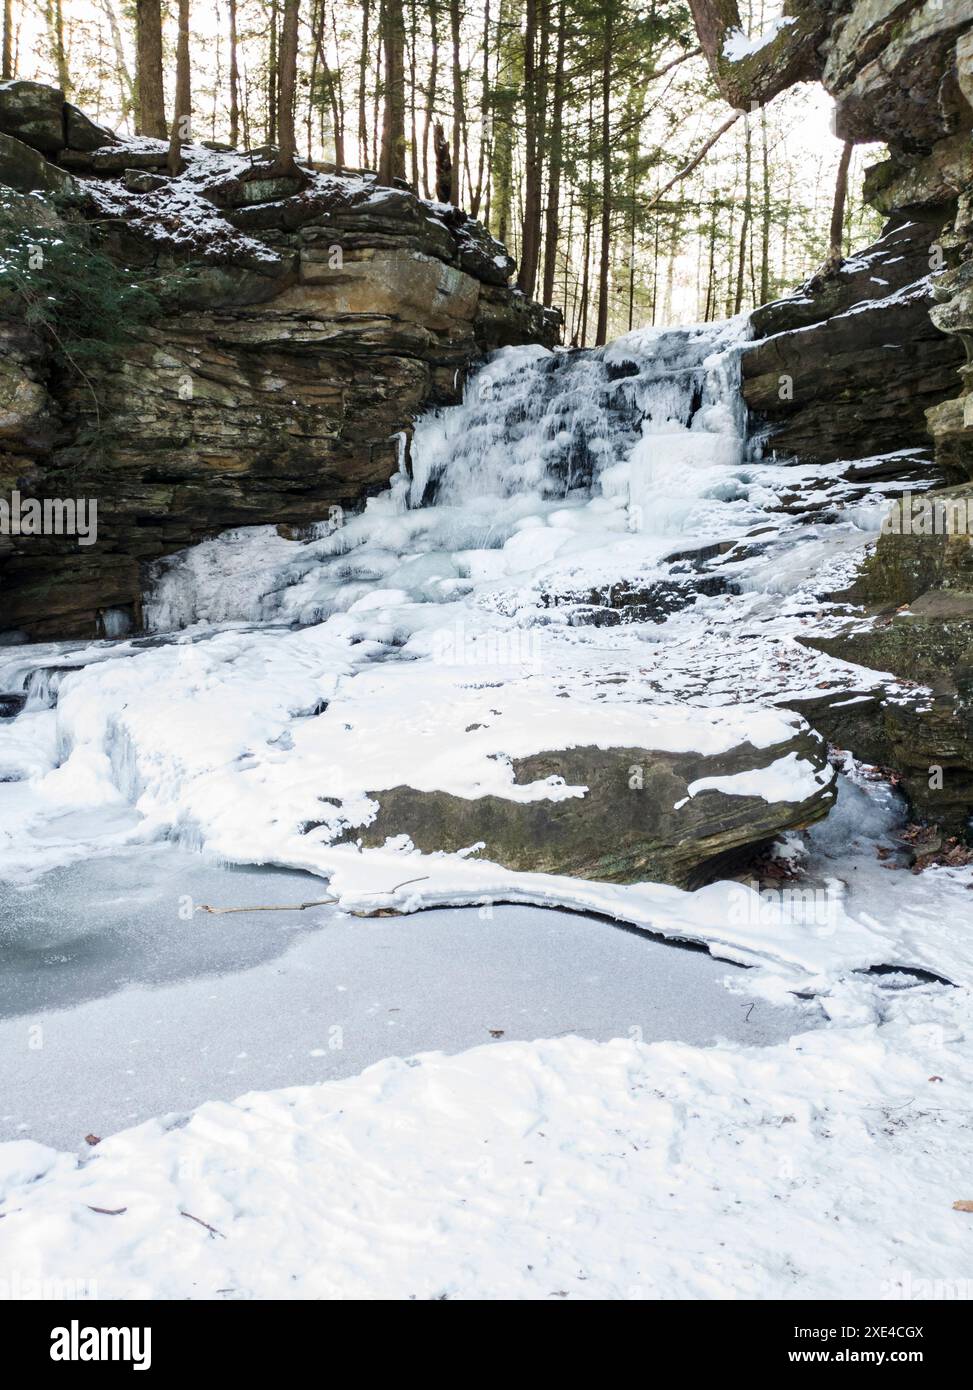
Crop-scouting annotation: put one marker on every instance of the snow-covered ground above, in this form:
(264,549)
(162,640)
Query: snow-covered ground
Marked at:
(824,1167)
(288,679)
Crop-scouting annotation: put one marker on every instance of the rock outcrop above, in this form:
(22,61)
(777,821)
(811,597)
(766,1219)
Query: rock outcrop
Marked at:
(873,355)
(645,814)
(850,364)
(917,592)
(302,325)
(855,343)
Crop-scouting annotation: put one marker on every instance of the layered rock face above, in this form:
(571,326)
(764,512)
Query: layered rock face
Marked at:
(304,324)
(918,587)
(873,356)
(850,364)
(901,73)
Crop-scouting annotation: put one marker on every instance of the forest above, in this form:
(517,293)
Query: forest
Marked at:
(587,135)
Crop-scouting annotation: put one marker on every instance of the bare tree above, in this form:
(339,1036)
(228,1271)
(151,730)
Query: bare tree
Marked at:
(181,131)
(7,68)
(284,164)
(392,159)
(151,92)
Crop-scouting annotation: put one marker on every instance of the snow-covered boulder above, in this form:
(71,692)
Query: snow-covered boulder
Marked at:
(620,793)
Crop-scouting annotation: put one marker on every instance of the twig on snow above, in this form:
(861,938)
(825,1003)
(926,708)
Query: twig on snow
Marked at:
(200,1222)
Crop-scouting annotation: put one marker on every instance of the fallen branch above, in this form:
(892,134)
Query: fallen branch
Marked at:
(268,907)
(302,907)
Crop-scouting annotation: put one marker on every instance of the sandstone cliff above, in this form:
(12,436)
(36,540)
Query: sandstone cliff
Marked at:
(302,325)
(878,350)
(901,72)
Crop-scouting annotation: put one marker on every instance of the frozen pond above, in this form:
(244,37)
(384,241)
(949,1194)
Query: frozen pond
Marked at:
(113,1008)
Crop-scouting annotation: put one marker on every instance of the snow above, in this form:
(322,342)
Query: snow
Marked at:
(736,45)
(429,640)
(825,1167)
(786,779)
(429,653)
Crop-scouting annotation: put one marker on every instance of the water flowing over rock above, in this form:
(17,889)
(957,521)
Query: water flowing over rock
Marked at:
(313,342)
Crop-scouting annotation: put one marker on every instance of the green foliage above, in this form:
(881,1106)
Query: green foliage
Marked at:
(55,278)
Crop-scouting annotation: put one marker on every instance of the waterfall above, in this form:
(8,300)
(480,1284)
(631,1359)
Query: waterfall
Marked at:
(646,436)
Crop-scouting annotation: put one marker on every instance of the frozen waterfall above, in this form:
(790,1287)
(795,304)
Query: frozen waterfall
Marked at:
(547,453)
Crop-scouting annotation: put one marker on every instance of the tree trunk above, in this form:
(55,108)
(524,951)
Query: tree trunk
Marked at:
(234,79)
(458,111)
(581,337)
(444,164)
(362,74)
(151,92)
(765,217)
(377,94)
(504,104)
(606,179)
(335,90)
(710,310)
(55,24)
(527,275)
(7,66)
(477,194)
(331,87)
(745,228)
(181,132)
(836,238)
(552,229)
(272,73)
(287,90)
(392,161)
(430,97)
(413,67)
